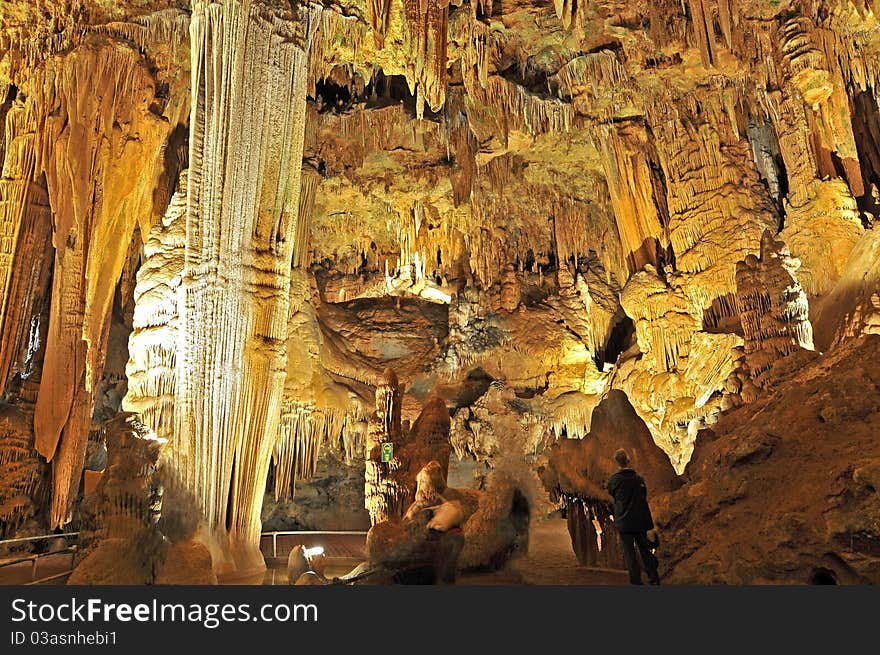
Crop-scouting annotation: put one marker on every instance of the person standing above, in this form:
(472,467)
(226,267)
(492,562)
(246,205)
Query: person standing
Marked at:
(633,520)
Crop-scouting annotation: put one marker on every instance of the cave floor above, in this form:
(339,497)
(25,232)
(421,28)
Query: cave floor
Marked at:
(549,561)
(48,566)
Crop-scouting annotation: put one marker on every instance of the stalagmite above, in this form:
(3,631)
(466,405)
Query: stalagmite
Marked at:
(153,344)
(22,488)
(510,293)
(773,308)
(577,472)
(90,101)
(127,501)
(385,494)
(250,67)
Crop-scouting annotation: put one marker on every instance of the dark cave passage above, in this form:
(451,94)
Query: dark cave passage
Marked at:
(823,576)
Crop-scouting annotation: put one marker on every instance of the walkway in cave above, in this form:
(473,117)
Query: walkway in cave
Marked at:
(550,561)
(23,573)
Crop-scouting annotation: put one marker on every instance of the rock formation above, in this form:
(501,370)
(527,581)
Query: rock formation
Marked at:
(445,530)
(523,210)
(22,487)
(578,470)
(773,308)
(391,478)
(790,497)
(125,536)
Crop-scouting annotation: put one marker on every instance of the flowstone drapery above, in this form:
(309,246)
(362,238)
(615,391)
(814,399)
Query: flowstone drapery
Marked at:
(250,69)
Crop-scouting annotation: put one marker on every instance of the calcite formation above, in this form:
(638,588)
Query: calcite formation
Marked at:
(773,308)
(127,535)
(121,513)
(578,470)
(391,475)
(446,529)
(152,366)
(22,489)
(743,466)
(522,210)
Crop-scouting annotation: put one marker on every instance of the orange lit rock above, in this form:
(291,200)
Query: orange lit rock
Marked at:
(523,210)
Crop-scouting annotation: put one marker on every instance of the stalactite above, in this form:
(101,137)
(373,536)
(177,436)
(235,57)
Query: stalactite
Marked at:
(427,27)
(250,67)
(89,102)
(589,230)
(571,421)
(638,199)
(565,11)
(480,47)
(592,78)
(26,226)
(311,179)
(682,379)
(168,27)
(506,106)
(315,413)
(297,448)
(364,132)
(773,308)
(331,31)
(822,88)
(704,29)
(380,14)
(593,535)
(713,359)
(811,116)
(718,206)
(15,188)
(464,146)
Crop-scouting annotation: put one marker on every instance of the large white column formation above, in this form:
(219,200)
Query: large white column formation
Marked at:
(249,67)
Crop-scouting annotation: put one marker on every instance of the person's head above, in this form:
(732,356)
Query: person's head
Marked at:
(621,458)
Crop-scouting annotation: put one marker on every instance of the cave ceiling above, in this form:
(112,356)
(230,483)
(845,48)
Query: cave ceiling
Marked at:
(664,198)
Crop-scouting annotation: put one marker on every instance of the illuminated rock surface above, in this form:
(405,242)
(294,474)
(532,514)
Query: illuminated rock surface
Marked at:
(238,218)
(785,488)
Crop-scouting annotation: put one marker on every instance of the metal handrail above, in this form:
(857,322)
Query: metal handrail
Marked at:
(50,578)
(21,540)
(35,558)
(274,534)
(73,549)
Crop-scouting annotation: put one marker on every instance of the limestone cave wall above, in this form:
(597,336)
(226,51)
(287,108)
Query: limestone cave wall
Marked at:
(234,217)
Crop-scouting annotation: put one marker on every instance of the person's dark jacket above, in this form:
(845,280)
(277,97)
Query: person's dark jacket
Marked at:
(631,511)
